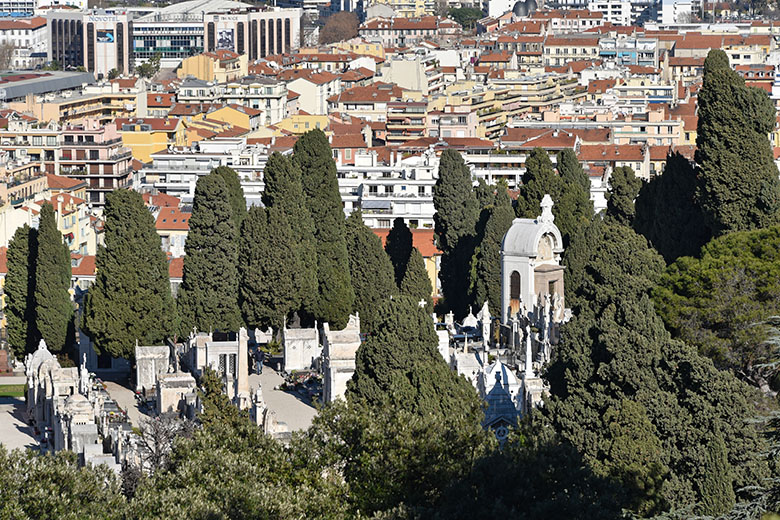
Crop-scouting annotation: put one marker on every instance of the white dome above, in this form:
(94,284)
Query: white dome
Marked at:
(525,235)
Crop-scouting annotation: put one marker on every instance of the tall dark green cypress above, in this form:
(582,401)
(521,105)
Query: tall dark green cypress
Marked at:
(370,270)
(399,246)
(399,366)
(573,208)
(131,298)
(642,408)
(487,285)
(570,169)
(416,284)
(624,188)
(457,212)
(284,190)
(739,189)
(235,191)
(335,296)
(53,308)
(667,213)
(19,289)
(208,297)
(269,268)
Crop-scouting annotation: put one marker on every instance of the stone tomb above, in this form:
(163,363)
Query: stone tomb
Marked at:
(151,362)
(338,358)
(301,348)
(172,390)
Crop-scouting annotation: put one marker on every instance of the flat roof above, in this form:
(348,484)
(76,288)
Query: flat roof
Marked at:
(14,86)
(191,8)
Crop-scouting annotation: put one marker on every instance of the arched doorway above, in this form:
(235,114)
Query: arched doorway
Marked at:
(515,288)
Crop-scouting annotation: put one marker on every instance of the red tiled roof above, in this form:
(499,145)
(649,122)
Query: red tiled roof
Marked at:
(161,200)
(422,239)
(375,93)
(58,182)
(348,141)
(612,152)
(23,24)
(176,268)
(173,219)
(84,265)
(160,100)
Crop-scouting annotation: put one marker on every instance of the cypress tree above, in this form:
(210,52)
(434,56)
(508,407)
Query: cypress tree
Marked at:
(399,246)
(739,187)
(400,367)
(538,163)
(487,285)
(208,297)
(370,270)
(335,297)
(19,289)
(573,208)
(284,190)
(624,188)
(269,268)
(639,406)
(457,212)
(667,213)
(235,192)
(416,284)
(131,298)
(570,169)
(53,308)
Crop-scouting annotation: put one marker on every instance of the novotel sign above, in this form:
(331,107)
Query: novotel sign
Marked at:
(93,18)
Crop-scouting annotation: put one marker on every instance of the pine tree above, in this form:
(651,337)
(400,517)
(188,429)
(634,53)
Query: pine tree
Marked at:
(624,188)
(370,270)
(667,213)
(639,406)
(208,297)
(235,191)
(269,268)
(335,297)
(739,187)
(399,246)
(19,289)
(53,308)
(487,285)
(284,190)
(131,298)
(570,169)
(416,284)
(457,212)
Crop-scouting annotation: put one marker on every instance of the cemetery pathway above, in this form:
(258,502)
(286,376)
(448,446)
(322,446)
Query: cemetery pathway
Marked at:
(14,431)
(125,398)
(289,408)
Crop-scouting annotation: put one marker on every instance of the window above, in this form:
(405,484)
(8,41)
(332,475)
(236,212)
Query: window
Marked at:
(421,191)
(37,140)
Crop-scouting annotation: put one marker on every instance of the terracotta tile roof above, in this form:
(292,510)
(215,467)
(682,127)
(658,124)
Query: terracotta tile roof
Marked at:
(498,57)
(422,239)
(23,24)
(599,86)
(222,55)
(176,268)
(125,82)
(58,182)
(640,69)
(192,109)
(559,41)
(458,143)
(292,95)
(82,265)
(3,260)
(348,141)
(684,61)
(161,200)
(251,112)
(612,152)
(172,219)
(284,143)
(526,27)
(591,135)
(375,93)
(160,100)
(547,138)
(313,75)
